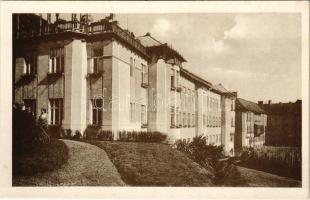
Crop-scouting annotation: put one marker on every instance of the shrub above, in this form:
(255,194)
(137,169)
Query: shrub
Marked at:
(62,132)
(212,158)
(77,135)
(134,136)
(105,135)
(68,134)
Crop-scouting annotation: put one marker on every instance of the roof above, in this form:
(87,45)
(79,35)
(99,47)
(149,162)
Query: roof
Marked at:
(148,41)
(249,106)
(156,46)
(281,108)
(195,78)
(221,88)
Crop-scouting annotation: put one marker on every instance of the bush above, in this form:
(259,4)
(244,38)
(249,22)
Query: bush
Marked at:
(105,135)
(200,151)
(212,158)
(142,136)
(77,135)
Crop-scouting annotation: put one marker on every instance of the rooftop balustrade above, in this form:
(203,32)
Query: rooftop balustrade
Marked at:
(99,27)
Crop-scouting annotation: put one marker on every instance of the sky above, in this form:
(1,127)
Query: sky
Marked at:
(256,54)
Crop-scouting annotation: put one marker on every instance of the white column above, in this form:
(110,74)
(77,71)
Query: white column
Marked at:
(75,86)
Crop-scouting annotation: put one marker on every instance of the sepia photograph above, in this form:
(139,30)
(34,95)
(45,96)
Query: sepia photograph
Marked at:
(157,99)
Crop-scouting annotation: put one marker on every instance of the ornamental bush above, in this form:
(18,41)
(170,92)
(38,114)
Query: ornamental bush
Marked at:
(141,136)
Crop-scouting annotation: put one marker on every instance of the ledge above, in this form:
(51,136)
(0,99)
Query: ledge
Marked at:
(179,89)
(144,125)
(144,85)
(55,74)
(94,74)
(29,75)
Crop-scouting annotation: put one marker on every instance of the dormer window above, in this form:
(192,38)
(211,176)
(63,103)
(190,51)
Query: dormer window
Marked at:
(57,60)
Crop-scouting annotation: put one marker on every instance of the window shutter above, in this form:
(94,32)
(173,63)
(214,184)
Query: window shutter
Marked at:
(90,65)
(50,65)
(90,112)
(24,66)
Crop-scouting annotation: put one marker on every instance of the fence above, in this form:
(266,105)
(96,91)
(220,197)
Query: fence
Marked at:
(288,155)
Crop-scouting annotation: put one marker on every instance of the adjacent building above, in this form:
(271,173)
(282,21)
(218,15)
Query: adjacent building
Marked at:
(283,124)
(96,75)
(251,121)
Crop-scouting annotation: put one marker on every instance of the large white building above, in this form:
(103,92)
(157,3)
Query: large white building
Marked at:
(92,76)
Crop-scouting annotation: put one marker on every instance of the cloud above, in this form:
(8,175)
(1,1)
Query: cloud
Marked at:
(162,28)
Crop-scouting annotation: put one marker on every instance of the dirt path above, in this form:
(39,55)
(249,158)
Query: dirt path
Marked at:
(257,178)
(87,165)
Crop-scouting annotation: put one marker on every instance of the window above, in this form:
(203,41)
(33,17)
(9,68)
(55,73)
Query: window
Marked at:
(132,112)
(193,120)
(177,116)
(232,105)
(184,119)
(97,108)
(232,121)
(250,116)
(231,138)
(204,120)
(56,111)
(131,67)
(177,78)
(143,115)
(95,62)
(57,60)
(207,140)
(30,66)
(189,119)
(180,117)
(144,74)
(31,105)
(172,116)
(172,78)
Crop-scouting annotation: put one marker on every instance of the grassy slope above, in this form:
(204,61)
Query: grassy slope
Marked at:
(39,158)
(87,165)
(151,164)
(257,178)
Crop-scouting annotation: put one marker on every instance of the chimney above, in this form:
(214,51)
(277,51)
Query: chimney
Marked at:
(260,103)
(235,94)
(269,102)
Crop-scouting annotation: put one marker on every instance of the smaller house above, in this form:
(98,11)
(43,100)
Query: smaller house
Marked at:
(251,121)
(284,123)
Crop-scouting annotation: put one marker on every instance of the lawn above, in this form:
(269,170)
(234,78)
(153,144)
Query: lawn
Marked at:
(66,163)
(255,178)
(32,159)
(153,164)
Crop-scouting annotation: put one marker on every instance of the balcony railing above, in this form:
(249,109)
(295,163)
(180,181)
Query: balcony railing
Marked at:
(102,26)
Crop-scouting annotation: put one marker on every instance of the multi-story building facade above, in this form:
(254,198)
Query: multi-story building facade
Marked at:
(92,76)
(251,121)
(283,124)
